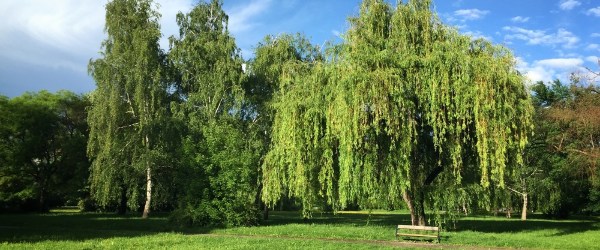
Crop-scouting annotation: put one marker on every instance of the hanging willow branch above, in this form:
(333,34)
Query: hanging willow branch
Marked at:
(405,106)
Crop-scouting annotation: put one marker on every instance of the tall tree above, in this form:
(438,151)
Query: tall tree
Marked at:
(128,105)
(263,82)
(220,156)
(406,109)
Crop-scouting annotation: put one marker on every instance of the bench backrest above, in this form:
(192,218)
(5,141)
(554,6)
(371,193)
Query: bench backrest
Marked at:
(418,228)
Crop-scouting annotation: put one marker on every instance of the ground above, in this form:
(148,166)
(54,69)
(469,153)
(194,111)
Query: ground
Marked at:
(67,229)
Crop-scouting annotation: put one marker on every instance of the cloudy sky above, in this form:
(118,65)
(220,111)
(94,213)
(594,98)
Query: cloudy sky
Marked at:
(47,44)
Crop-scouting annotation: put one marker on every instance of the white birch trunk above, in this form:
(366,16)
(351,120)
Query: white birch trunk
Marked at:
(148,193)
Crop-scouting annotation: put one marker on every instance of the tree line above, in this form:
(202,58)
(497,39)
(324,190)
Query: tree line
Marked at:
(404,113)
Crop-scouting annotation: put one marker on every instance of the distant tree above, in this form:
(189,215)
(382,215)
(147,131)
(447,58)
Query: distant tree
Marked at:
(42,141)
(73,175)
(532,182)
(406,109)
(129,108)
(565,147)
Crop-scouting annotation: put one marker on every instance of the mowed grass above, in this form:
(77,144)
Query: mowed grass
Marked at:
(66,229)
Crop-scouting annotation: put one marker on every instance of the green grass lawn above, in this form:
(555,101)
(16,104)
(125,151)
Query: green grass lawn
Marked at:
(286,230)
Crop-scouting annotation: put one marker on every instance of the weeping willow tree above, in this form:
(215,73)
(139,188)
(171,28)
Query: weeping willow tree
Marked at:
(298,134)
(272,55)
(405,110)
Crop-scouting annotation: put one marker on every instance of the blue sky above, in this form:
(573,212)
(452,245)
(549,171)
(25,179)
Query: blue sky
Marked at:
(47,44)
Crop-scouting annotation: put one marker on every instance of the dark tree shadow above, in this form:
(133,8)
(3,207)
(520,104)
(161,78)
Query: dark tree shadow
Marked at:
(354,219)
(77,226)
(491,224)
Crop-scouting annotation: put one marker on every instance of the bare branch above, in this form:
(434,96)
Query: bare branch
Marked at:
(584,153)
(509,188)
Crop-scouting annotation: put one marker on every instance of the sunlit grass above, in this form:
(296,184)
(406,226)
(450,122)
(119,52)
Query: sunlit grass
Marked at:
(181,241)
(285,230)
(65,210)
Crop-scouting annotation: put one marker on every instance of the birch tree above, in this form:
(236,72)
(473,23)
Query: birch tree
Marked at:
(218,175)
(128,106)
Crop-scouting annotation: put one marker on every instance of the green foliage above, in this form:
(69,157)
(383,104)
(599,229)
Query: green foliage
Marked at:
(405,107)
(222,190)
(207,63)
(220,152)
(564,148)
(285,64)
(42,155)
(129,114)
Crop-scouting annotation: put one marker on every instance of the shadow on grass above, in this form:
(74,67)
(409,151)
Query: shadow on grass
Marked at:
(484,224)
(87,226)
(492,224)
(342,218)
(78,226)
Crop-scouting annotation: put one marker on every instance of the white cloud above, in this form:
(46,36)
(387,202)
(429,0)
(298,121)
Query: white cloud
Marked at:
(477,35)
(594,11)
(337,33)
(549,69)
(470,14)
(533,73)
(168,22)
(562,37)
(64,33)
(592,59)
(240,17)
(457,3)
(560,63)
(568,4)
(519,19)
(595,35)
(52,34)
(461,26)
(66,25)
(593,46)
(568,54)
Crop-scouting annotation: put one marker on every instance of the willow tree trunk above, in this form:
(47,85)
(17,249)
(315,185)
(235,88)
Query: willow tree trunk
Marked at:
(265,212)
(421,211)
(411,207)
(417,214)
(122,209)
(148,192)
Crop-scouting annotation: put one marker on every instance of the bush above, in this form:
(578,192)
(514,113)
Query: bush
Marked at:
(87,205)
(216,213)
(220,179)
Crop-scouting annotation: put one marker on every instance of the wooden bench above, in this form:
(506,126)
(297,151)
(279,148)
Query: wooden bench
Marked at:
(413,231)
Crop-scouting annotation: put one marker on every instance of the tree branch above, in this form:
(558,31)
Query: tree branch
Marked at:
(433,174)
(584,153)
(127,126)
(509,188)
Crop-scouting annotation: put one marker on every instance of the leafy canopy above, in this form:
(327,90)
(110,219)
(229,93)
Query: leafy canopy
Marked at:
(403,102)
